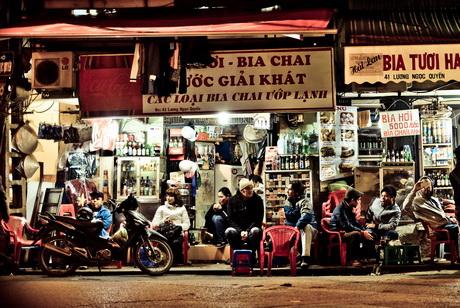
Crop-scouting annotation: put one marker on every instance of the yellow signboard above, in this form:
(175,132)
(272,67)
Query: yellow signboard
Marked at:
(286,80)
(406,63)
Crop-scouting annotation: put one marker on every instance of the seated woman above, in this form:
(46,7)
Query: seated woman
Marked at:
(172,213)
(216,218)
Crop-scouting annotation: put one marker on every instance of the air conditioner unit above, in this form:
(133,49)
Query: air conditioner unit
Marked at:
(53,70)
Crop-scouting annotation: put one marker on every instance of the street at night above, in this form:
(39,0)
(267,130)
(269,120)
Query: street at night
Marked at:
(417,289)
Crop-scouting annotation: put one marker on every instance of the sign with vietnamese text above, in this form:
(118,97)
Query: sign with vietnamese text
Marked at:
(400,123)
(255,80)
(406,63)
(338,142)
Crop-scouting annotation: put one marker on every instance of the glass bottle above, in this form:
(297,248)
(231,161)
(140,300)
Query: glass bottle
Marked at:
(302,162)
(305,143)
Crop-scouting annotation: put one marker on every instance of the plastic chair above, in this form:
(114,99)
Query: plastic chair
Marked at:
(19,225)
(67,209)
(284,241)
(441,236)
(334,199)
(185,247)
(334,239)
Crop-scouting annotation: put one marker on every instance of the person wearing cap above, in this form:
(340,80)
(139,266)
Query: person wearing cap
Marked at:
(344,219)
(245,215)
(454,178)
(383,215)
(101,212)
(422,206)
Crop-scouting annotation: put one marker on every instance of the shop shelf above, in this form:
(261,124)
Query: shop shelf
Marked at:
(401,163)
(275,206)
(275,189)
(437,144)
(437,167)
(443,188)
(287,171)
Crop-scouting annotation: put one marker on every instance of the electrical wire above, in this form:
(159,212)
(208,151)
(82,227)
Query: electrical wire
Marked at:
(408,104)
(52,104)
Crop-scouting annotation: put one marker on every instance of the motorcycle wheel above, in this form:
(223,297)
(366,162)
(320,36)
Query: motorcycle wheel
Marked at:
(154,262)
(53,263)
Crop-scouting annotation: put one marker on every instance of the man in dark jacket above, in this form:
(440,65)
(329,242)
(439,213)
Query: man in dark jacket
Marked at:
(216,218)
(454,178)
(245,214)
(291,208)
(344,219)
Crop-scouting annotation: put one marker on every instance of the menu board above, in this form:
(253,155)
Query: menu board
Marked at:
(338,142)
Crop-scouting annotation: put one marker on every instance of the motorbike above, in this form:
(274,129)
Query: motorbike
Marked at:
(68,243)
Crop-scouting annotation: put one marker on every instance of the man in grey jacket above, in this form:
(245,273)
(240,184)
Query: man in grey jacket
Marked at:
(421,205)
(383,215)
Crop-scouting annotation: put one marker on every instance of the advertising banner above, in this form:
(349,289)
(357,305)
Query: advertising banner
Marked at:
(400,123)
(406,63)
(286,80)
(338,142)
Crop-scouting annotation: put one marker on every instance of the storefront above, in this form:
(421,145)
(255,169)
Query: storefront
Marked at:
(416,130)
(132,139)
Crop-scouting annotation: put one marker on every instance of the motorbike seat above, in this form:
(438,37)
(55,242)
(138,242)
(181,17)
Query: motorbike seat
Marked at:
(89,226)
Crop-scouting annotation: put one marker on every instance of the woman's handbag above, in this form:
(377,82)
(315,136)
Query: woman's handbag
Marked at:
(170,231)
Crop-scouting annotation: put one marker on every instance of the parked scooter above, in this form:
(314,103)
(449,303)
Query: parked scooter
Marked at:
(72,243)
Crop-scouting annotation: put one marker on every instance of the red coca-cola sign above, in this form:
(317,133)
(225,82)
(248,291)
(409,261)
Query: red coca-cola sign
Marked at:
(107,89)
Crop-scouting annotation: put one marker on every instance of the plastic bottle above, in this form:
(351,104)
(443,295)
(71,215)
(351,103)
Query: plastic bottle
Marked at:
(281,145)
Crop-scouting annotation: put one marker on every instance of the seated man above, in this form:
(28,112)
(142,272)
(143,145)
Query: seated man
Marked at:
(421,205)
(344,219)
(299,213)
(383,215)
(245,214)
(216,218)
(101,212)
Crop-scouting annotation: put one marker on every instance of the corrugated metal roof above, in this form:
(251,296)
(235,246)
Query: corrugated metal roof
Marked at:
(402,27)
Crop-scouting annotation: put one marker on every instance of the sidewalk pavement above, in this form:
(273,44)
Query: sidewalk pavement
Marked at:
(225,269)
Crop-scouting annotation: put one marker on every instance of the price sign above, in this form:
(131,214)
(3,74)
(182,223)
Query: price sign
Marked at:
(400,123)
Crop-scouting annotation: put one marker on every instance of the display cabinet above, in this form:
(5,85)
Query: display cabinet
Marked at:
(276,184)
(436,158)
(139,176)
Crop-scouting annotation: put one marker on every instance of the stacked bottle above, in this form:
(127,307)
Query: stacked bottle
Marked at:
(370,145)
(294,142)
(290,162)
(439,178)
(400,155)
(436,131)
(127,145)
(128,186)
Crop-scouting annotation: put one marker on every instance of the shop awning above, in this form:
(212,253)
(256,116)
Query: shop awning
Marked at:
(312,22)
(398,27)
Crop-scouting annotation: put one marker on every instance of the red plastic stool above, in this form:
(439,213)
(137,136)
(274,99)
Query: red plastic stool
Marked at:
(242,262)
(66,210)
